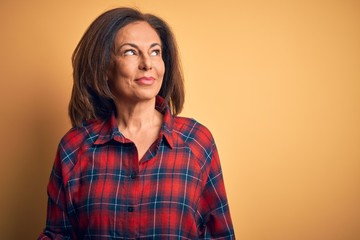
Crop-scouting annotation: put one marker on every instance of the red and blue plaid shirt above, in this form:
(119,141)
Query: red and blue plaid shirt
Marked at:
(99,189)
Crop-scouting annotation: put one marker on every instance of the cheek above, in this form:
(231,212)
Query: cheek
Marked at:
(123,69)
(161,69)
(118,77)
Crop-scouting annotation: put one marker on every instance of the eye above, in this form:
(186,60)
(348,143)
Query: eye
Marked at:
(129,52)
(155,52)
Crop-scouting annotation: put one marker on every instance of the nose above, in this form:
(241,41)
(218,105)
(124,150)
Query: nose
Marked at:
(145,62)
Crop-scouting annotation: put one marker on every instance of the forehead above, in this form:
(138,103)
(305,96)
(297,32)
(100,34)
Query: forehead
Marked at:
(138,33)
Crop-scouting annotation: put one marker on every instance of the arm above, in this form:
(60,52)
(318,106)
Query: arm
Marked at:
(57,223)
(213,205)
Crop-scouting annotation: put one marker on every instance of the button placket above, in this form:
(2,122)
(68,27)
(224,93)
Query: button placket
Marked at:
(132,177)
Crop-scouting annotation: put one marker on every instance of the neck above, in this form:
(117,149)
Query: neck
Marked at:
(138,116)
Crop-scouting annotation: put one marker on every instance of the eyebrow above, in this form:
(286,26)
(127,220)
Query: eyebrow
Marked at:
(136,46)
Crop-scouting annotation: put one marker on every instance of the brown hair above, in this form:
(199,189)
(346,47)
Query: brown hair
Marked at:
(91,97)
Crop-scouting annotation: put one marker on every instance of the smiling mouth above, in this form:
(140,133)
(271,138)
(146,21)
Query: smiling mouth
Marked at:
(145,80)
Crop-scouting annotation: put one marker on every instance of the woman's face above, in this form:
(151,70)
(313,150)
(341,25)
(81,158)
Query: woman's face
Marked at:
(138,68)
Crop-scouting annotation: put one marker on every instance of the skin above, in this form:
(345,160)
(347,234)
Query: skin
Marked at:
(135,79)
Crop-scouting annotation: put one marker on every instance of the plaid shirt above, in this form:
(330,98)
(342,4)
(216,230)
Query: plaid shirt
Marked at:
(98,188)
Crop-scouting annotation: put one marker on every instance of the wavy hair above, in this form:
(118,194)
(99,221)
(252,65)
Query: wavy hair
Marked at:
(91,97)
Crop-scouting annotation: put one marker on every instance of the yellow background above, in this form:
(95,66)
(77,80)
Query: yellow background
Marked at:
(277,82)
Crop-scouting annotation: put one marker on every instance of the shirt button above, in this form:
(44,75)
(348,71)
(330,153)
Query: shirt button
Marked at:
(130,209)
(133,175)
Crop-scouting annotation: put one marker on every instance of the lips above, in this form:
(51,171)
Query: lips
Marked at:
(145,80)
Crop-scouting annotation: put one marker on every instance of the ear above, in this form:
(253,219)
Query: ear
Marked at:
(110,68)
(109,73)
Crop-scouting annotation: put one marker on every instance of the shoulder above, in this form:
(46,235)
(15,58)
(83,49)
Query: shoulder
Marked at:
(77,136)
(194,135)
(190,129)
(73,141)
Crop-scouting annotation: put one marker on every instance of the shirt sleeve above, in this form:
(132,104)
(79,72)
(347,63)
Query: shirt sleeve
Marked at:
(213,205)
(57,223)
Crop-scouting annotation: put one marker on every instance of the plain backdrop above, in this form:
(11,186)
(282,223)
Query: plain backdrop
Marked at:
(277,83)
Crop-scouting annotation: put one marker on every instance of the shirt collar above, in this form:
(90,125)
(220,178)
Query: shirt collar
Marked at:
(109,128)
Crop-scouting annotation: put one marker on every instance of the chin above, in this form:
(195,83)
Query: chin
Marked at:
(145,97)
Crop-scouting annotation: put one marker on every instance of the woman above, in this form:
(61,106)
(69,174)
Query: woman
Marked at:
(130,168)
